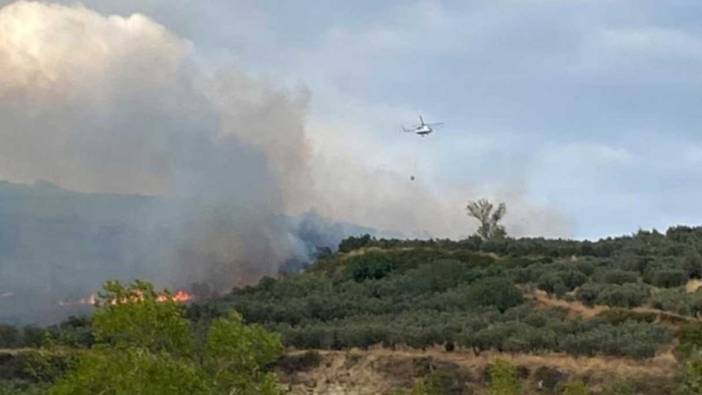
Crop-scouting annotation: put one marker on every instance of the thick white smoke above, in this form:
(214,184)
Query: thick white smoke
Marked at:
(114,104)
(98,103)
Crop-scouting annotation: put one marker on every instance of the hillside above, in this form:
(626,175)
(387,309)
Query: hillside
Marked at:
(481,295)
(382,371)
(625,298)
(619,316)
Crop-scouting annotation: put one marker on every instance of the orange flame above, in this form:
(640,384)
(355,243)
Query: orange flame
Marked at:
(82,301)
(179,296)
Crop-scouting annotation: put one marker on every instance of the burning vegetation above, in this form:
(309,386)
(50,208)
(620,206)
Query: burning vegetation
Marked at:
(179,296)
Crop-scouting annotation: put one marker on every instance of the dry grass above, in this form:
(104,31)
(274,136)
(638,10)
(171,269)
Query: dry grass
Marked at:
(577,309)
(379,371)
(693,285)
(13,351)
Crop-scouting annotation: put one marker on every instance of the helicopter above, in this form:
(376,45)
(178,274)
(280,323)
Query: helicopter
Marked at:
(422,129)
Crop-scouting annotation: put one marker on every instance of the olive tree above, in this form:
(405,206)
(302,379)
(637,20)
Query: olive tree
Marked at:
(489,218)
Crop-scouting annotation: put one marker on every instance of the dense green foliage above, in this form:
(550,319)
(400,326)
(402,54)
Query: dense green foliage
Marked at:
(469,294)
(504,379)
(141,343)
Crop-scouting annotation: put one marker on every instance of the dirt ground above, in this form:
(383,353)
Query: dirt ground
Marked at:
(381,371)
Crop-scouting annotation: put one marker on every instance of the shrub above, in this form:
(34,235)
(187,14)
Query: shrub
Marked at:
(352,243)
(627,295)
(692,377)
(619,277)
(618,316)
(144,345)
(576,387)
(9,336)
(549,378)
(573,279)
(503,379)
(690,340)
(667,278)
(300,362)
(631,339)
(678,301)
(446,381)
(369,266)
(495,291)
(549,282)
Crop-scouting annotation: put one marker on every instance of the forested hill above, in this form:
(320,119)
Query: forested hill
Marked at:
(622,296)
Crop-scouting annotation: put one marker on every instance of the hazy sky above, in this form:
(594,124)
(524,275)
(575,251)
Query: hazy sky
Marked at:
(586,107)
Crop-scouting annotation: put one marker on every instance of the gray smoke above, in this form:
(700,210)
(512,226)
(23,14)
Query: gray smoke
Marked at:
(115,105)
(160,170)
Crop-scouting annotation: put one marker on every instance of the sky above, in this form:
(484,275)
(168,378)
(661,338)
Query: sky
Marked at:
(582,114)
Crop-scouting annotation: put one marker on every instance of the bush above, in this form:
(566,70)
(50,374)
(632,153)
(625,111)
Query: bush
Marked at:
(446,381)
(573,279)
(17,387)
(32,336)
(299,362)
(145,345)
(503,379)
(352,243)
(495,291)
(692,376)
(644,385)
(619,277)
(689,340)
(549,378)
(576,387)
(549,282)
(667,278)
(9,336)
(618,316)
(627,295)
(678,300)
(442,274)
(630,339)
(369,266)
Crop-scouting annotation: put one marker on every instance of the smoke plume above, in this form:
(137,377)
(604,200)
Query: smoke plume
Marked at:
(116,105)
(177,175)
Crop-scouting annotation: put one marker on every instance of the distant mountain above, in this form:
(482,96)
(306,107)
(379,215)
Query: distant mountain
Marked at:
(60,245)
(57,244)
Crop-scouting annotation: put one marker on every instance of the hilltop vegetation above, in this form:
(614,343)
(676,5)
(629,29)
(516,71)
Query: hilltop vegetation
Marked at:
(470,294)
(142,343)
(474,296)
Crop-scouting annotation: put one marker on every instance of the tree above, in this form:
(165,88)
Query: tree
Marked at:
(132,370)
(353,243)
(236,354)
(138,316)
(145,345)
(370,266)
(494,291)
(9,336)
(489,228)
